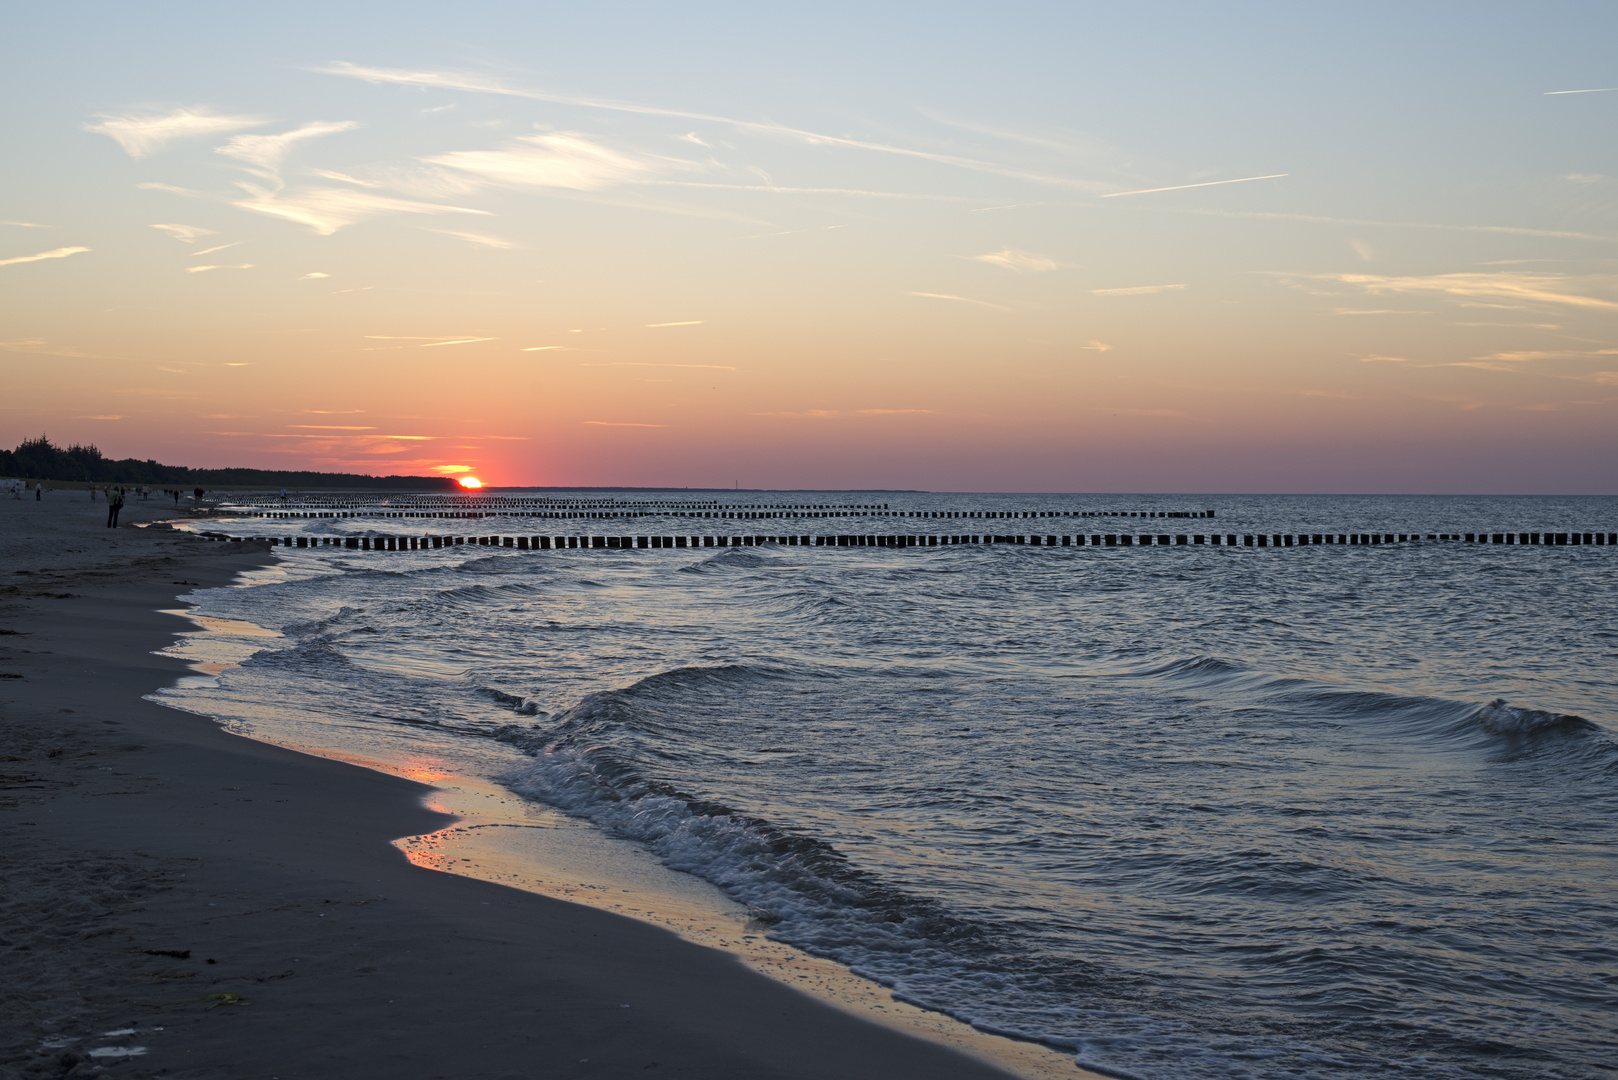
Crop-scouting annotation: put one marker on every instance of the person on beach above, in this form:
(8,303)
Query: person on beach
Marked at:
(115,503)
(39,491)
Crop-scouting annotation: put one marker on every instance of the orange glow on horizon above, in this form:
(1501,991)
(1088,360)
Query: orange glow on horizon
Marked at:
(471,483)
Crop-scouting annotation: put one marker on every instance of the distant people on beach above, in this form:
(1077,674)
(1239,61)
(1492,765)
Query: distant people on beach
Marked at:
(283,495)
(39,491)
(199,494)
(176,494)
(115,503)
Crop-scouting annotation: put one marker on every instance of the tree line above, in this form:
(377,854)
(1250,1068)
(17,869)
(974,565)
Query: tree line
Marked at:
(39,459)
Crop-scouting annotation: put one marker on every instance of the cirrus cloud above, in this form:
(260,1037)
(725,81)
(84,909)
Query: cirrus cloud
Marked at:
(1023,262)
(562,160)
(1524,289)
(265,152)
(1138,290)
(144,134)
(54,253)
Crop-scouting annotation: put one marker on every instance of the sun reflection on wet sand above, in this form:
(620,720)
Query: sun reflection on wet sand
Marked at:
(506,840)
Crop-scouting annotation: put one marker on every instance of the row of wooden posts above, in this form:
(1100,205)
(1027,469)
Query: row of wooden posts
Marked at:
(1261,540)
(730,513)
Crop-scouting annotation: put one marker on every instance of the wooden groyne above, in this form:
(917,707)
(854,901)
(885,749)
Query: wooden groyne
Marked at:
(893,540)
(727,513)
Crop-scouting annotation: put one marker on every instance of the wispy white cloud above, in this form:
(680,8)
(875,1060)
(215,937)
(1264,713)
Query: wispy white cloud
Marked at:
(314,276)
(1270,215)
(41,347)
(1596,90)
(185,234)
(1378,311)
(456,341)
(1516,325)
(794,232)
(333,427)
(1182,187)
(143,134)
(325,210)
(776,189)
(543,348)
(475,239)
(54,253)
(483,85)
(210,251)
(563,159)
(327,174)
(1097,346)
(1066,142)
(688,322)
(1384,360)
(232,266)
(691,137)
(1523,288)
(619,423)
(264,152)
(959,300)
(1138,290)
(1023,262)
(153,185)
(1365,251)
(1587,178)
(1526,355)
(27,224)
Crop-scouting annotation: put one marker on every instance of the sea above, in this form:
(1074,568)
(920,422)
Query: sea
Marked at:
(1182,812)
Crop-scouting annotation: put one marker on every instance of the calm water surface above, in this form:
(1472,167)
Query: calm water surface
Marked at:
(1189,812)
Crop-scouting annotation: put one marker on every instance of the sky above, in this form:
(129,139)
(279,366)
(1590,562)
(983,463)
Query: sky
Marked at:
(1156,247)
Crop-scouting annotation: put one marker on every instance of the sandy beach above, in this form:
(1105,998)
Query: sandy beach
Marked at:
(184,902)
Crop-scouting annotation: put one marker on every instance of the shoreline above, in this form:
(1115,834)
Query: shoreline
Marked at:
(289,937)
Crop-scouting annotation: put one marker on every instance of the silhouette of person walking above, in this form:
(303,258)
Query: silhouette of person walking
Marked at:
(115,503)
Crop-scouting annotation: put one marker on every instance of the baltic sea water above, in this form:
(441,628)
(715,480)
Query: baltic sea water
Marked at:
(1189,812)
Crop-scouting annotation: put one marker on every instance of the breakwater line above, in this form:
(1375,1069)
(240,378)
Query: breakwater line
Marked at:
(895,540)
(731,513)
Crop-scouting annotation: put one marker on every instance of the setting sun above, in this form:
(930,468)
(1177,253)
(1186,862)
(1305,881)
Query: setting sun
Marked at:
(471,482)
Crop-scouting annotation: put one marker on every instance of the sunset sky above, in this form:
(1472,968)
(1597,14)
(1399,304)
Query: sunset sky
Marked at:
(1040,247)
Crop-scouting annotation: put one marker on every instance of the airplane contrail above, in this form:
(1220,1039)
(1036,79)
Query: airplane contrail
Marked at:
(1182,187)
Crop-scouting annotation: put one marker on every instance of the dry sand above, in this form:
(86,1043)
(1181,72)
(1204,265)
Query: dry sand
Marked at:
(236,909)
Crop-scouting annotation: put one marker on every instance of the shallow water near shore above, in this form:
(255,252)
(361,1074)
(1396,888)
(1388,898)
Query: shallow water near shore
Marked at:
(1185,812)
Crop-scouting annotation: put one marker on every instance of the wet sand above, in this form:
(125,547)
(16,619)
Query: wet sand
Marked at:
(237,909)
